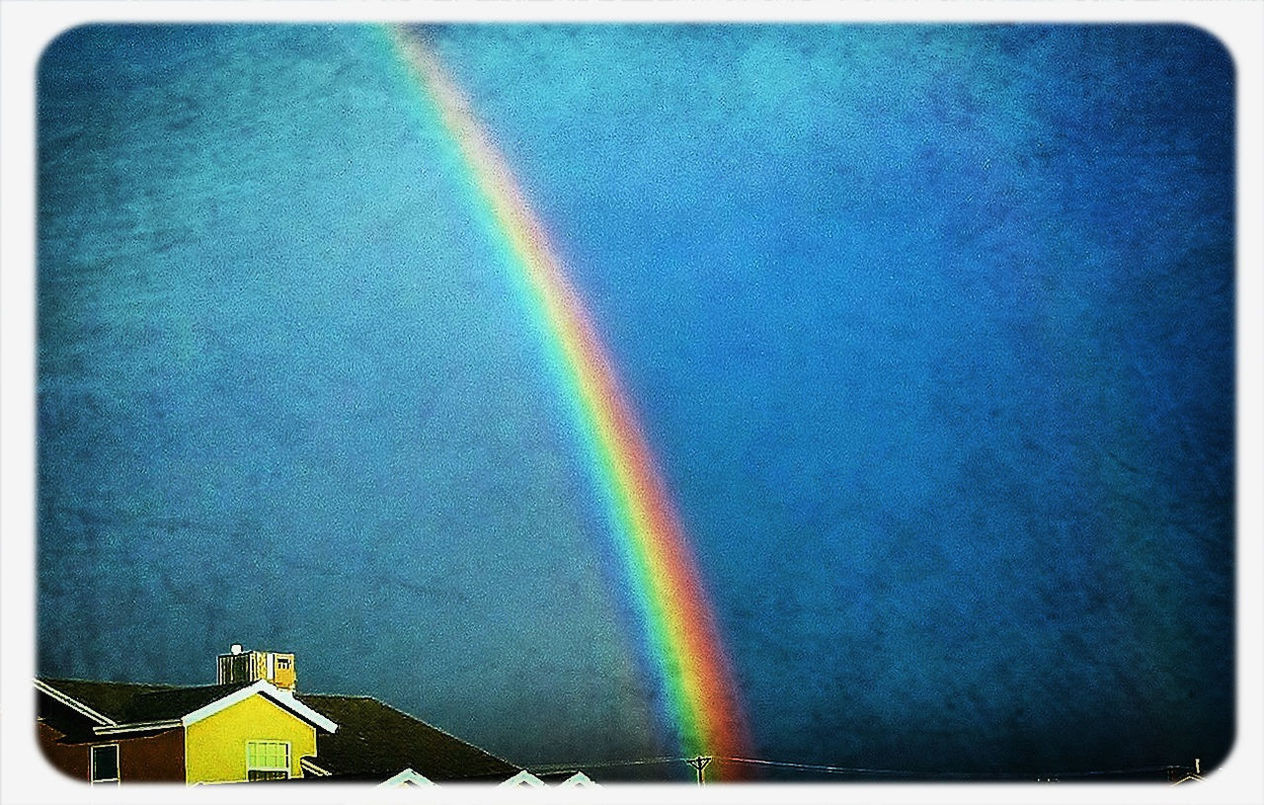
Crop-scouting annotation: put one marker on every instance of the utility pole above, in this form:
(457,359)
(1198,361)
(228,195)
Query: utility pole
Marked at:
(699,763)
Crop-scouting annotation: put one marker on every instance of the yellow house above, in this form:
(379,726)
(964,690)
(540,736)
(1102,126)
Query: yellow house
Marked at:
(251,726)
(106,732)
(258,733)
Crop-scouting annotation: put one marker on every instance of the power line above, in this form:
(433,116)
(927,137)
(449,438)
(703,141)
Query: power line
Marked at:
(786,764)
(605,764)
(1138,770)
(694,760)
(943,774)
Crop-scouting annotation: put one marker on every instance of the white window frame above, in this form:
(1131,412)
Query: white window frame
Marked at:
(257,743)
(92,765)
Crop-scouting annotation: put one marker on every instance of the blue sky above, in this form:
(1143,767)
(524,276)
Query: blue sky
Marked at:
(930,327)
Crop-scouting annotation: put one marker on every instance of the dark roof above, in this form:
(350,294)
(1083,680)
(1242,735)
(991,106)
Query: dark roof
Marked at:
(161,705)
(555,777)
(129,703)
(110,699)
(377,741)
(373,742)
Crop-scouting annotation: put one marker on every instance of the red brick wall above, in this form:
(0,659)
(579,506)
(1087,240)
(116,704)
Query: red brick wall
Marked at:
(155,758)
(72,759)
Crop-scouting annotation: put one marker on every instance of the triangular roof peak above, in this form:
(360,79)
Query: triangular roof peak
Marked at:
(284,698)
(404,779)
(577,780)
(523,778)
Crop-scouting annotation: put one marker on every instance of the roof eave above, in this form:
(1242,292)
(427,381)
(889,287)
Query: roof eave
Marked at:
(73,703)
(271,692)
(308,764)
(139,726)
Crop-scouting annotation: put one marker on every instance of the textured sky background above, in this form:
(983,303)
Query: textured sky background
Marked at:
(931,329)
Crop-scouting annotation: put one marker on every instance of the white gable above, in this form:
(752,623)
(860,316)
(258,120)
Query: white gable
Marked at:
(283,698)
(405,779)
(578,780)
(523,778)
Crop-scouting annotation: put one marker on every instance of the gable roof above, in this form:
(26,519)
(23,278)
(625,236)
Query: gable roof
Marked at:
(523,779)
(361,737)
(174,703)
(404,779)
(578,780)
(376,741)
(560,779)
(567,779)
(284,698)
(120,706)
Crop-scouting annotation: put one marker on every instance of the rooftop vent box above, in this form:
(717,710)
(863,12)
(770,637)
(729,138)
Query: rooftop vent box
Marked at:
(240,665)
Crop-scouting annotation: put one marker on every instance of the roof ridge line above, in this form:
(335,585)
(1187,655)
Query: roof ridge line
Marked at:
(49,679)
(158,687)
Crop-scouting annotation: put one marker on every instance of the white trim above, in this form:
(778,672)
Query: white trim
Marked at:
(139,726)
(92,765)
(283,698)
(72,703)
(405,777)
(578,780)
(522,778)
(306,765)
(286,767)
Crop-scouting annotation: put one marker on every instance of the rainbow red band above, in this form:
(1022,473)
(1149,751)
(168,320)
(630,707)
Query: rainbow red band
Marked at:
(676,618)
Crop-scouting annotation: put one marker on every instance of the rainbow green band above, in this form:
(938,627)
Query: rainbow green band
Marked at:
(677,622)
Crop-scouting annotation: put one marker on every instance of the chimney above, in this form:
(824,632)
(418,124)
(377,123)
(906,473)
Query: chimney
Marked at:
(240,665)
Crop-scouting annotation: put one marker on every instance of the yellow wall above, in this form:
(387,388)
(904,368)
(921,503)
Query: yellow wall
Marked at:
(215,747)
(283,677)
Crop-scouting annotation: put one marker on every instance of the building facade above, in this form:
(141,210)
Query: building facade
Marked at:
(104,732)
(252,727)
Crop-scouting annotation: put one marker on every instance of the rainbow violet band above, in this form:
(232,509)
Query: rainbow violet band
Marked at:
(676,619)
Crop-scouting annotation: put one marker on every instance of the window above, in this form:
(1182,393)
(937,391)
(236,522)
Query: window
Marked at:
(105,764)
(282,662)
(267,760)
(258,775)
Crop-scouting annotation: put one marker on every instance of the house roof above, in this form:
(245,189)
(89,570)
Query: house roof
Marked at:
(362,738)
(376,741)
(561,779)
(174,703)
(404,779)
(122,704)
(109,700)
(566,779)
(523,779)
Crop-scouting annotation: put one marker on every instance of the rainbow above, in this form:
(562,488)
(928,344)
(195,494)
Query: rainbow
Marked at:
(675,618)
